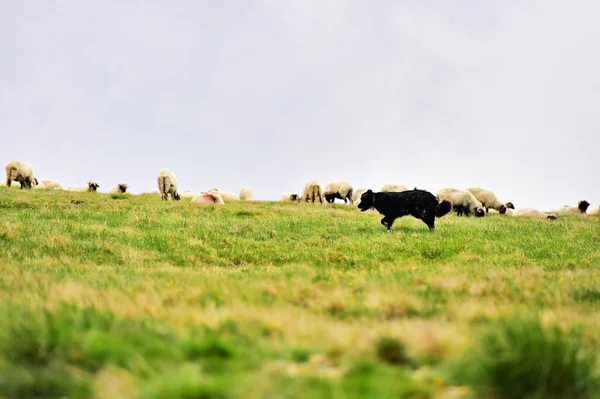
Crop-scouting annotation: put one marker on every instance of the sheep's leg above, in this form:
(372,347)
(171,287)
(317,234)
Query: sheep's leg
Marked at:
(8,181)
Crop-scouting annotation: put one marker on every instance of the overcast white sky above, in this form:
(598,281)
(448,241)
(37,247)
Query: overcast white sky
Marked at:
(272,93)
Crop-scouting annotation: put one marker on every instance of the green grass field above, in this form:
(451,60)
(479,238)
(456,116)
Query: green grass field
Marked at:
(132,297)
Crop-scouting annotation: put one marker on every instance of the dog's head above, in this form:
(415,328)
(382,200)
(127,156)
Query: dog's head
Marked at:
(367,201)
(510,205)
(583,206)
(93,185)
(480,212)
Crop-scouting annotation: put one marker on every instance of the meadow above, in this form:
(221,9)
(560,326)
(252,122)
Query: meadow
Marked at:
(130,297)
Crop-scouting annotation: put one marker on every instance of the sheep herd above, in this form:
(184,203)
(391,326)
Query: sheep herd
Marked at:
(472,201)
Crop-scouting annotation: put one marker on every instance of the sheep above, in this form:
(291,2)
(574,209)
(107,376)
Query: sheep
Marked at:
(208,198)
(289,197)
(357,193)
(155,191)
(533,214)
(595,211)
(168,184)
(312,191)
(51,184)
(21,172)
(187,194)
(340,190)
(580,209)
(246,194)
(92,186)
(120,189)
(462,201)
(228,197)
(489,200)
(393,188)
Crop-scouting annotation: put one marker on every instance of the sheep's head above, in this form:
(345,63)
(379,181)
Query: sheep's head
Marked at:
(330,196)
(583,206)
(93,186)
(122,188)
(176,196)
(294,198)
(367,200)
(552,216)
(480,212)
(510,205)
(35,181)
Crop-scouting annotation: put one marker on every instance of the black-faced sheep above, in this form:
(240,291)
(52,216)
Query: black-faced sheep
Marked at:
(92,186)
(227,197)
(168,185)
(340,190)
(289,197)
(21,172)
(208,198)
(246,194)
(393,188)
(533,214)
(489,200)
(312,192)
(420,204)
(463,202)
(120,189)
(580,209)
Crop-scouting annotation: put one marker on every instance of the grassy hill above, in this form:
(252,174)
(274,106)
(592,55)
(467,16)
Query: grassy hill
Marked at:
(131,297)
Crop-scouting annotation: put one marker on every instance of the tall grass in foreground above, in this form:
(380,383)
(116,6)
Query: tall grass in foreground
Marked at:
(130,297)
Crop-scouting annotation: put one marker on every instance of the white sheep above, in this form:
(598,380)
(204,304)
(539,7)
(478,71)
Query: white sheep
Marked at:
(51,184)
(463,202)
(340,190)
(187,194)
(208,198)
(393,188)
(246,194)
(580,209)
(120,189)
(312,192)
(227,197)
(21,172)
(533,214)
(91,186)
(357,193)
(289,197)
(489,200)
(168,184)
(595,211)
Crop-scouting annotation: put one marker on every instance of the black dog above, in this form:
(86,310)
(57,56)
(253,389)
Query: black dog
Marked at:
(420,204)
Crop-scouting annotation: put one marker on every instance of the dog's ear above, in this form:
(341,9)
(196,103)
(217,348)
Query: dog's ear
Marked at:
(369,191)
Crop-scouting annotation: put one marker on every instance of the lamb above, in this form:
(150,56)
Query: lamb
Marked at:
(208,198)
(312,192)
(51,184)
(533,214)
(187,194)
(489,200)
(463,202)
(228,197)
(340,190)
(393,188)
(289,197)
(21,172)
(168,184)
(580,209)
(246,194)
(595,211)
(92,186)
(120,189)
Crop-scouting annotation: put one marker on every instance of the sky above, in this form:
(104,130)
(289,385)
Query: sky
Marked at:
(269,94)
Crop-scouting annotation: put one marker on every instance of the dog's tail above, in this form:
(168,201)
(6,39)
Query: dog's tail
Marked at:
(443,208)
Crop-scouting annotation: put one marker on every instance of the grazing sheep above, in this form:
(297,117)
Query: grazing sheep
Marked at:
(51,184)
(227,197)
(580,209)
(463,202)
(91,186)
(21,172)
(420,204)
(246,194)
(533,214)
(393,188)
(595,211)
(168,184)
(156,191)
(120,189)
(489,200)
(356,194)
(312,192)
(289,197)
(340,190)
(187,194)
(208,198)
